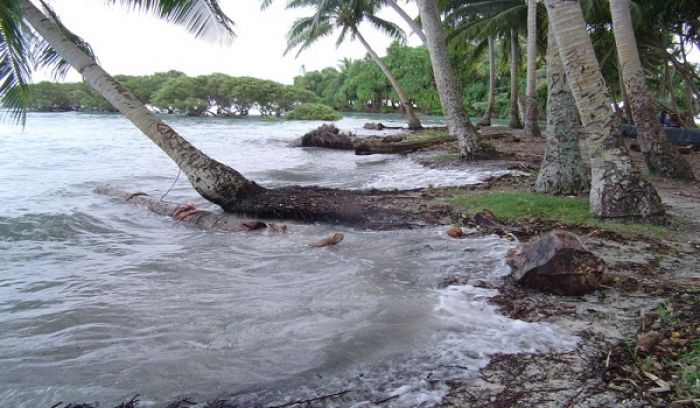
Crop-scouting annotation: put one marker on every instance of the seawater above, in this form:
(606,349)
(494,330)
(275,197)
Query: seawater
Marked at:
(100,301)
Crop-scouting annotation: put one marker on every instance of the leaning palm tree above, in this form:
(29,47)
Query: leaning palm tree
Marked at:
(660,156)
(617,188)
(449,88)
(417,30)
(25,27)
(347,16)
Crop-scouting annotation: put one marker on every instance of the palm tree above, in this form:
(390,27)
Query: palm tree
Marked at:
(531,128)
(617,188)
(347,16)
(474,19)
(562,171)
(486,118)
(449,89)
(215,181)
(411,22)
(659,155)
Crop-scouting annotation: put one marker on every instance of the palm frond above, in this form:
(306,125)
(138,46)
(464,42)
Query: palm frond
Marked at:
(203,18)
(390,29)
(46,56)
(15,68)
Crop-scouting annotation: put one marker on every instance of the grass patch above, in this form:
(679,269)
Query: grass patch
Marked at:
(514,206)
(688,369)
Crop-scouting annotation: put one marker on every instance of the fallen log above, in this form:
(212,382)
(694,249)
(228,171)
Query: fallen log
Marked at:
(556,262)
(367,148)
(379,126)
(189,213)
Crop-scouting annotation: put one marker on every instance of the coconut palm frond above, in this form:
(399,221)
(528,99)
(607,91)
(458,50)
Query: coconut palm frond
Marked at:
(203,18)
(46,56)
(392,30)
(15,65)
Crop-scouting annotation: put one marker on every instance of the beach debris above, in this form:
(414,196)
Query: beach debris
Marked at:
(556,262)
(332,239)
(455,232)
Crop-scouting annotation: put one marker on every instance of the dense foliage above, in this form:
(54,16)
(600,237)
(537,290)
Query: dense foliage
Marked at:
(358,85)
(171,91)
(313,111)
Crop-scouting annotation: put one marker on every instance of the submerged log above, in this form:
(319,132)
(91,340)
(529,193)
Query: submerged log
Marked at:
(189,213)
(556,263)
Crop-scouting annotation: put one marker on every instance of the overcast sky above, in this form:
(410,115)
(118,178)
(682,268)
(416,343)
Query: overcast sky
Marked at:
(128,42)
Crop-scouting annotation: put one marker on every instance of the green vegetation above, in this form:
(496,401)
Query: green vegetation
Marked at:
(688,369)
(359,85)
(313,111)
(218,94)
(513,206)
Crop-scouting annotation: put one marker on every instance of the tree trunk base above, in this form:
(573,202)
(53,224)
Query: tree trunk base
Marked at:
(625,196)
(371,209)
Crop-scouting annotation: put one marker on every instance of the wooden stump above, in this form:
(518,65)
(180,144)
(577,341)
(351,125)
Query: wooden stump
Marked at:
(556,262)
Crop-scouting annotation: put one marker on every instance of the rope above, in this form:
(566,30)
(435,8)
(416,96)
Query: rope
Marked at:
(173,185)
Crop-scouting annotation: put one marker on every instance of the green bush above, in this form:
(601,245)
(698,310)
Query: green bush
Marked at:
(313,111)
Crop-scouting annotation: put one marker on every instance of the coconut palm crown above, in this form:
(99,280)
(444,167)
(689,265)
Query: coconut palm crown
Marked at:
(23,51)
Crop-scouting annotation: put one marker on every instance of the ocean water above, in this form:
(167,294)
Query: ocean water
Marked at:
(100,301)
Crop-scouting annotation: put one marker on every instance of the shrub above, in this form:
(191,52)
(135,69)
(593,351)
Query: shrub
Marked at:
(313,111)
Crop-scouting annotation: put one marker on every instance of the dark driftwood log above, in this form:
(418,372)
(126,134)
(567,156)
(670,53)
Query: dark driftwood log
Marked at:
(557,263)
(367,148)
(189,213)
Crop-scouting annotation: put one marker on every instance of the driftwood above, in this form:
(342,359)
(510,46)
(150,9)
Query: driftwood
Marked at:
(367,148)
(557,263)
(379,126)
(332,239)
(189,213)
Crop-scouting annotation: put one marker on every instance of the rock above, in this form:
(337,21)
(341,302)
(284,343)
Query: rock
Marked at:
(329,137)
(556,262)
(455,232)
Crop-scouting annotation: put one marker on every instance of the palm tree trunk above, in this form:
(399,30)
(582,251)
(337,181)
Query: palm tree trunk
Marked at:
(215,181)
(413,122)
(531,128)
(625,100)
(562,171)
(411,22)
(449,89)
(617,188)
(486,119)
(514,91)
(659,155)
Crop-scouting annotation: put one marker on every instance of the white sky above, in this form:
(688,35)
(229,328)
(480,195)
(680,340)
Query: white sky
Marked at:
(128,42)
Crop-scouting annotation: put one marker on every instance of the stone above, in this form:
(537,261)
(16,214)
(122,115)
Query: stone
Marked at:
(556,262)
